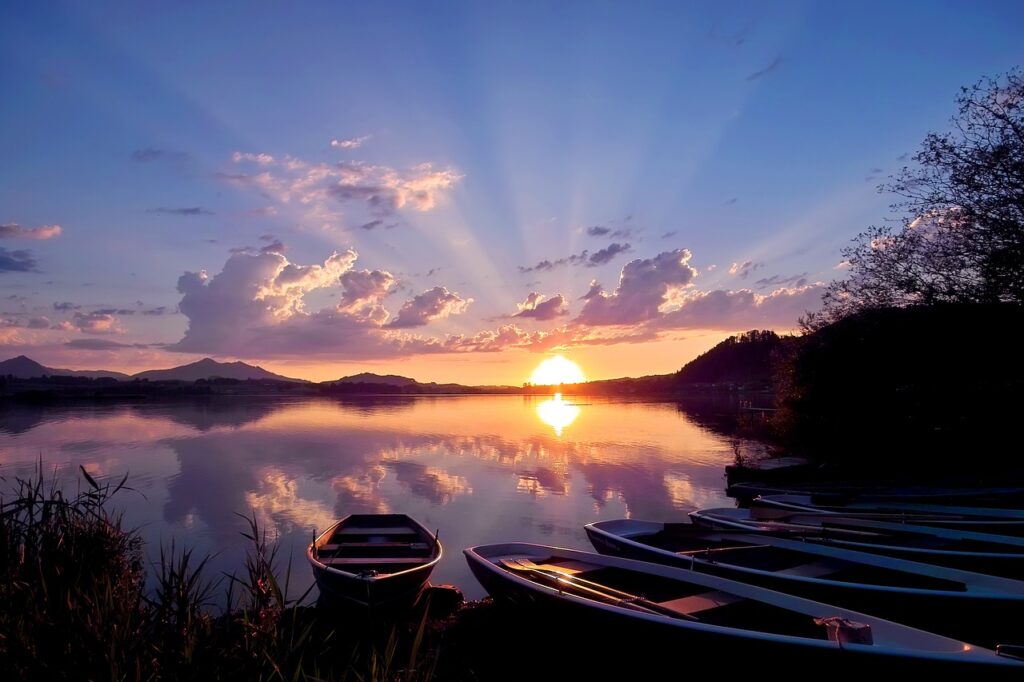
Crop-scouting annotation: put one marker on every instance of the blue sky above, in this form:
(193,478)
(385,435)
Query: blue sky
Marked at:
(485,138)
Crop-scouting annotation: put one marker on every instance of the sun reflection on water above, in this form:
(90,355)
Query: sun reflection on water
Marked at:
(557,413)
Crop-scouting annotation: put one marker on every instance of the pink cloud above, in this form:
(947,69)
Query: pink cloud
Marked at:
(538,307)
(41,233)
(644,286)
(433,304)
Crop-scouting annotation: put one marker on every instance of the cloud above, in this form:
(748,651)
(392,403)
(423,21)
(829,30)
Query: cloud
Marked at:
(350,143)
(100,344)
(262,210)
(744,269)
(258,159)
(538,307)
(96,323)
(775,63)
(780,281)
(371,224)
(584,257)
(377,190)
(17,260)
(364,293)
(622,232)
(548,265)
(156,154)
(41,233)
(65,306)
(669,234)
(433,304)
(644,286)
(607,254)
(41,322)
(842,265)
(742,309)
(276,246)
(190,211)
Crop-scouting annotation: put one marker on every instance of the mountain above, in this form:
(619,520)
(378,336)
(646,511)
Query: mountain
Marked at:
(23,367)
(371,378)
(208,368)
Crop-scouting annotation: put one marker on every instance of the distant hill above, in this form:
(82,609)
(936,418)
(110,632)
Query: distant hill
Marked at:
(207,368)
(371,378)
(746,360)
(23,367)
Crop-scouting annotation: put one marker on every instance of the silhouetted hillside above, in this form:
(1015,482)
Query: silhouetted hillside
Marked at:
(746,360)
(908,387)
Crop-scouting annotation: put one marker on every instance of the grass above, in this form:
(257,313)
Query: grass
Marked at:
(73,605)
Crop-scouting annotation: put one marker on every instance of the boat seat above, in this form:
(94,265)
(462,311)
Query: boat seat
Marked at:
(816,569)
(376,561)
(403,545)
(700,602)
(567,567)
(383,530)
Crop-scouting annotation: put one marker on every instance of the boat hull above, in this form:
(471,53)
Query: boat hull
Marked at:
(982,620)
(616,633)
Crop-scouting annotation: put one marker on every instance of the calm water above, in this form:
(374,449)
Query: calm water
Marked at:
(481,469)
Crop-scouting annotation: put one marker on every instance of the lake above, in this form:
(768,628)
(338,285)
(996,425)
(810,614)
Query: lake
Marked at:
(478,468)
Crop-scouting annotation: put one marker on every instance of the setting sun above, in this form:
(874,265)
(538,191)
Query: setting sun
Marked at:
(557,370)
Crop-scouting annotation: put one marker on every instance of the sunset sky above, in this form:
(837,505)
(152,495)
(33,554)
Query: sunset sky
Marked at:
(451,191)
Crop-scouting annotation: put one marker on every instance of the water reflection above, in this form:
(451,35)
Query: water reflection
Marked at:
(557,413)
(482,469)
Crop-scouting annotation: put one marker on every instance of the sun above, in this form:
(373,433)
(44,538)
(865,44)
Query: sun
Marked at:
(557,370)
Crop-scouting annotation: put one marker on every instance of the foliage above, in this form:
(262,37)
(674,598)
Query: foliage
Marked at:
(925,389)
(746,360)
(960,237)
(73,605)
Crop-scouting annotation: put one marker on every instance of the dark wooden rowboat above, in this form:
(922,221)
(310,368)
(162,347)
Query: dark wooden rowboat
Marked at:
(374,561)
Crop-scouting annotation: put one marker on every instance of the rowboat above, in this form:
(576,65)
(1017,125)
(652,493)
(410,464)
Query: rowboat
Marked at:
(1008,496)
(972,606)
(967,550)
(373,561)
(982,519)
(662,607)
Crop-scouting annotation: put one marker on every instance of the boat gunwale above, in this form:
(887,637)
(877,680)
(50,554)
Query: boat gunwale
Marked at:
(430,563)
(970,590)
(755,593)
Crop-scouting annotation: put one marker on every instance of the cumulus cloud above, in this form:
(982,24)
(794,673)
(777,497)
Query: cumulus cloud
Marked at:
(744,269)
(539,307)
(742,309)
(364,293)
(842,265)
(598,231)
(378,190)
(432,304)
(41,233)
(645,284)
(17,260)
(256,307)
(350,143)
(96,323)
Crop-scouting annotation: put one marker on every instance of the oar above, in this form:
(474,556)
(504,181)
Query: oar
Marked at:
(618,597)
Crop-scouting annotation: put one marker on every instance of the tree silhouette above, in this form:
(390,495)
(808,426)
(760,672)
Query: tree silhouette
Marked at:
(960,237)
